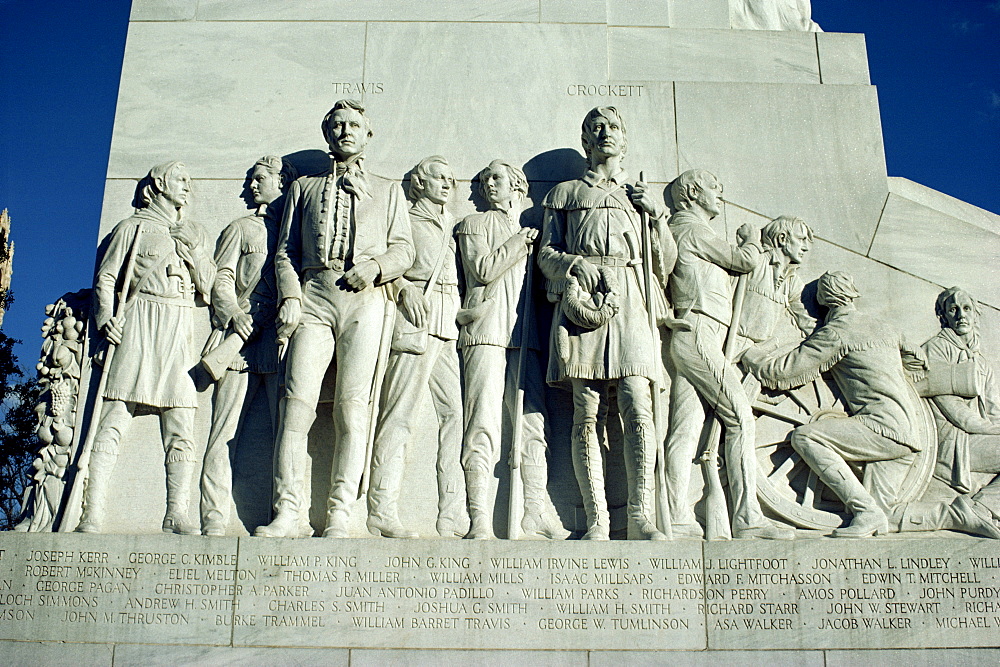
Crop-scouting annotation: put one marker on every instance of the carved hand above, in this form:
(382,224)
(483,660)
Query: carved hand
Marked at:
(114,329)
(288,317)
(363,275)
(415,305)
(643,197)
(748,233)
(528,234)
(243,324)
(186,234)
(587,274)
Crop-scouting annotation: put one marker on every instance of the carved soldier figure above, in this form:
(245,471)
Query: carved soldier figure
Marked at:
(774,15)
(344,235)
(495,341)
(968,429)
(703,297)
(866,357)
(429,299)
(167,261)
(244,305)
(592,248)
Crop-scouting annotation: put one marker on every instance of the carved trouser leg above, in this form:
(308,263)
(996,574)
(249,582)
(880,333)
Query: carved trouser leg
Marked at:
(588,459)
(687,419)
(310,351)
(486,375)
(636,405)
(114,420)
(229,405)
(357,347)
(406,373)
(446,394)
(698,357)
(827,444)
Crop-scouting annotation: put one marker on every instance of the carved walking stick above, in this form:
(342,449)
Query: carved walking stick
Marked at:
(388,323)
(515,505)
(663,520)
(74,503)
(717,525)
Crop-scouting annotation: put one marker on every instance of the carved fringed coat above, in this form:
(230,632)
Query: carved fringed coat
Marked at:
(865,356)
(153,363)
(592,219)
(958,418)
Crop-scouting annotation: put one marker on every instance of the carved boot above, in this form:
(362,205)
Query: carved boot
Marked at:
(337,524)
(641,448)
(588,464)
(964,514)
(179,483)
(95,493)
(869,519)
(383,513)
(476,489)
(540,518)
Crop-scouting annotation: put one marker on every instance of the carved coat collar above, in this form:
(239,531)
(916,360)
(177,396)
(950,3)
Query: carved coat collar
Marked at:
(593,179)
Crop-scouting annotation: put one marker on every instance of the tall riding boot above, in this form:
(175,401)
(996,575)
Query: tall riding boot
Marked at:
(383,508)
(641,452)
(540,518)
(291,461)
(95,493)
(588,464)
(179,483)
(869,519)
(476,488)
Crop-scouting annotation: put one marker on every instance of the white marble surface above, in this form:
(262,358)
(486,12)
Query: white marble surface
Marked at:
(668,54)
(843,58)
(220,94)
(368,10)
(937,247)
(811,151)
(699,13)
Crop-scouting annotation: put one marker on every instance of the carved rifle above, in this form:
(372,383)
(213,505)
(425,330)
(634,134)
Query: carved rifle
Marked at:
(717,526)
(73,505)
(663,520)
(515,503)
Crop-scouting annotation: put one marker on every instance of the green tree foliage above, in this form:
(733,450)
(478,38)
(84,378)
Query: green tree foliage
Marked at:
(18,442)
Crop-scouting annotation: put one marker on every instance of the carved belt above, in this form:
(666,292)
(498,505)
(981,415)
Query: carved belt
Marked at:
(443,288)
(183,302)
(601,260)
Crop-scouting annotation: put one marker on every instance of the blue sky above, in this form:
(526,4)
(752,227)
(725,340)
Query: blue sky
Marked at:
(936,64)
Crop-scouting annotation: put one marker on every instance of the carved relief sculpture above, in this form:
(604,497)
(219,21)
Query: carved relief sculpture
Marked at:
(424,353)
(242,351)
(59,370)
(773,15)
(866,358)
(344,236)
(502,367)
(592,242)
(703,297)
(968,429)
(160,259)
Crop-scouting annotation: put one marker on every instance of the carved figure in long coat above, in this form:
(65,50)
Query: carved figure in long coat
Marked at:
(152,361)
(495,250)
(345,235)
(244,304)
(773,15)
(428,298)
(592,250)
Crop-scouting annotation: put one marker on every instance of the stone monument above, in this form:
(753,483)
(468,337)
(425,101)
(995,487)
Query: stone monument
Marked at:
(719,369)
